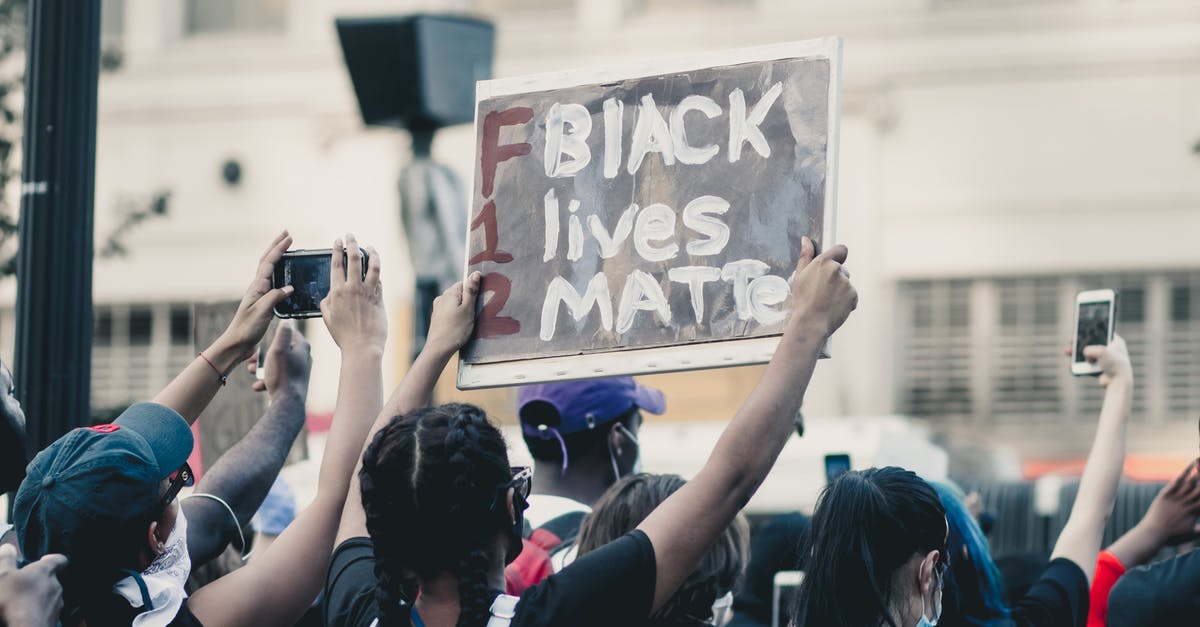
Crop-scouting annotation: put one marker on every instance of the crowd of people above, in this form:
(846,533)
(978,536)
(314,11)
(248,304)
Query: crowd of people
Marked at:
(419,518)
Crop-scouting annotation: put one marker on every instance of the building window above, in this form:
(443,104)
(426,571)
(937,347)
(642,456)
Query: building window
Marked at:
(233,16)
(938,349)
(136,350)
(1182,359)
(1024,363)
(1006,363)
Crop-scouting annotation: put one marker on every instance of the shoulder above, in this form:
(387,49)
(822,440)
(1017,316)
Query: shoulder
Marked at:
(349,596)
(1170,588)
(613,585)
(185,618)
(1058,597)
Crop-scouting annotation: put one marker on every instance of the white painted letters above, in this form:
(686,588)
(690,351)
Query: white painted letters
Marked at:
(695,277)
(744,128)
(641,293)
(614,117)
(560,143)
(650,134)
(683,151)
(740,273)
(697,216)
(764,293)
(610,245)
(560,291)
(655,223)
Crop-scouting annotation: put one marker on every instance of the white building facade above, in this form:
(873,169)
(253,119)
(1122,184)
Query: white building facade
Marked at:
(996,157)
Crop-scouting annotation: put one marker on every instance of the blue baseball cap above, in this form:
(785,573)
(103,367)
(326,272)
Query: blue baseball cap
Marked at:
(91,493)
(583,405)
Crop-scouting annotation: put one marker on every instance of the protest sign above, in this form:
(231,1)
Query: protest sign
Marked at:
(647,218)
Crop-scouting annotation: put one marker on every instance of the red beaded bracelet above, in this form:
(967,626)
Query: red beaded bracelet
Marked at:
(217,370)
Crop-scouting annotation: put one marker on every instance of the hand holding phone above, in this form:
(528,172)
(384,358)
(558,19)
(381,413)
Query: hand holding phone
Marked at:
(1095,324)
(308,272)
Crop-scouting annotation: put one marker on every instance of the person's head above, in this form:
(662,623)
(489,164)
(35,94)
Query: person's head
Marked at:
(877,553)
(441,500)
(586,425)
(105,497)
(627,503)
(974,592)
(14,444)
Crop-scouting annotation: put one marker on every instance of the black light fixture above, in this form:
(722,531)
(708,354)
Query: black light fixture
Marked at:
(231,172)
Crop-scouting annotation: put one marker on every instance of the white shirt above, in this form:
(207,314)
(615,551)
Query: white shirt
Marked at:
(543,508)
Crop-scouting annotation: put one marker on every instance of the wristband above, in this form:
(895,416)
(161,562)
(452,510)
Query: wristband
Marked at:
(220,375)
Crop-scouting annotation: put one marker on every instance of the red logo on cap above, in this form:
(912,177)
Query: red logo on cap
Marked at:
(105,428)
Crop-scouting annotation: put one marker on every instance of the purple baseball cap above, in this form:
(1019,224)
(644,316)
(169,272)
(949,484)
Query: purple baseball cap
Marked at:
(582,405)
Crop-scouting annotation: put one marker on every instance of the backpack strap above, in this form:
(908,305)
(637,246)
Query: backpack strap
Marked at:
(504,608)
(566,526)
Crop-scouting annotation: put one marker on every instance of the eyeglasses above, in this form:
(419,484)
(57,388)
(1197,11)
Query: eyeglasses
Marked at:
(179,479)
(522,480)
(521,483)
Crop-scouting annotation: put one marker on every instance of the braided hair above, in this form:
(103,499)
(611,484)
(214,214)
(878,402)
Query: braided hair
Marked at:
(433,492)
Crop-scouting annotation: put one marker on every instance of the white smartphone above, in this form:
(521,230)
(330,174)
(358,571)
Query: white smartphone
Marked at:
(787,582)
(1095,322)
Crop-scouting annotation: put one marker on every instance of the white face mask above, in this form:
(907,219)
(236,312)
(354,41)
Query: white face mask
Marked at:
(937,605)
(164,580)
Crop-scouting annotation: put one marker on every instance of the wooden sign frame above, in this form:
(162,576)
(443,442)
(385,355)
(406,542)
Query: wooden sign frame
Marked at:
(675,358)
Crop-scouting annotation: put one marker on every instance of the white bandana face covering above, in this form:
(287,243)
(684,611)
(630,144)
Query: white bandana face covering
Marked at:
(164,580)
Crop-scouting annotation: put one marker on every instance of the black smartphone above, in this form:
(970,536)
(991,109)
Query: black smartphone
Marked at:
(308,272)
(836,464)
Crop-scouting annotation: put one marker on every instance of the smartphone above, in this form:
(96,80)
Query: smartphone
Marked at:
(1095,322)
(787,583)
(836,465)
(308,272)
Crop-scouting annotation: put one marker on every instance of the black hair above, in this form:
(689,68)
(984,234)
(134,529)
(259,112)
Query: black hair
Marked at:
(433,492)
(98,559)
(627,503)
(866,526)
(974,590)
(580,445)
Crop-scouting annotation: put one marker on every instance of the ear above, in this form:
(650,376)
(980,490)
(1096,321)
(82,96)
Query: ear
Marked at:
(616,439)
(925,573)
(153,543)
(508,501)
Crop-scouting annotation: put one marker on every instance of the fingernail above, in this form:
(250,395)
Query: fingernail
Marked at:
(288,289)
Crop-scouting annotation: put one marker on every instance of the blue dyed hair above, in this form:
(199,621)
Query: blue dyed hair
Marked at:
(974,592)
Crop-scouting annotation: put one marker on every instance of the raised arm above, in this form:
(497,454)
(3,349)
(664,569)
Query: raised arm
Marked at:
(192,390)
(450,327)
(278,587)
(244,474)
(684,527)
(1172,518)
(1081,536)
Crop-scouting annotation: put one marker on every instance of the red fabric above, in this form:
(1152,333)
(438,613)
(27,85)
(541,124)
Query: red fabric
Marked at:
(1108,570)
(530,567)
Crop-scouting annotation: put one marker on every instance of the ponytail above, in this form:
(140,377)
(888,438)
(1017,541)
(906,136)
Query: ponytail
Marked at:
(866,526)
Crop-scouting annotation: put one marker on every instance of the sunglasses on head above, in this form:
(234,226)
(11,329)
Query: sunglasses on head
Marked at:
(179,479)
(521,483)
(522,480)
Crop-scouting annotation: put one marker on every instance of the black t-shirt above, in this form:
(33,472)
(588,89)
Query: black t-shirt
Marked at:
(1059,598)
(1163,594)
(613,585)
